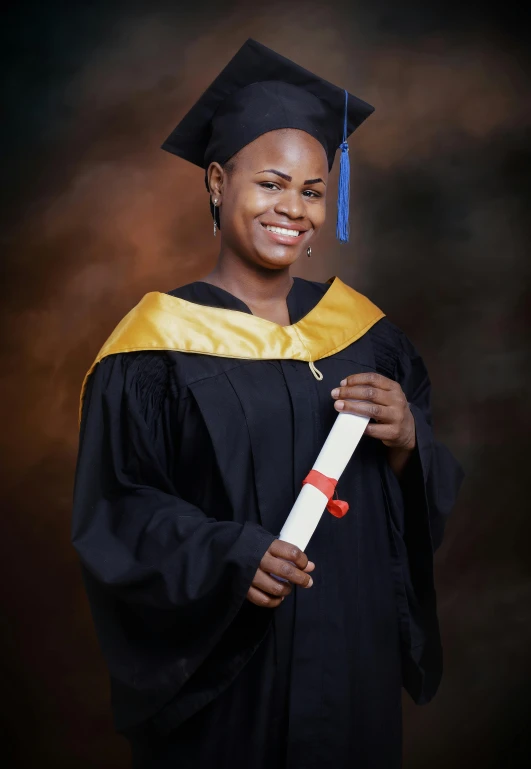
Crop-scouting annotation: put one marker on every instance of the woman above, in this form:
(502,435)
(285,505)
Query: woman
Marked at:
(201,417)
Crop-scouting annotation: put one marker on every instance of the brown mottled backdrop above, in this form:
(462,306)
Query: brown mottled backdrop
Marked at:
(95,215)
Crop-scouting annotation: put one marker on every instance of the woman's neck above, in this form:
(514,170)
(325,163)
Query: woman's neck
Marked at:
(262,290)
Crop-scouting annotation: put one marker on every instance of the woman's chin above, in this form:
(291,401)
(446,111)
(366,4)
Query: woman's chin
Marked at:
(278,257)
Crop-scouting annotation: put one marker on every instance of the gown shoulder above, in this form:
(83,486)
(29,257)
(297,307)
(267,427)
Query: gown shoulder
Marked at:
(143,377)
(393,350)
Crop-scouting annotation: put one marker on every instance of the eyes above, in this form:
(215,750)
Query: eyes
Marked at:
(272,186)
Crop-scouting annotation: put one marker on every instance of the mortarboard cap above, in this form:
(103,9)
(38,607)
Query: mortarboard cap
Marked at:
(260,91)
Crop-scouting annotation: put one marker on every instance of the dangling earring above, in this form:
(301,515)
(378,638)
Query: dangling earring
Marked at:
(214,203)
(309,251)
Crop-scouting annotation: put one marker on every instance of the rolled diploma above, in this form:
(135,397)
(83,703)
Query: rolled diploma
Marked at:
(332,460)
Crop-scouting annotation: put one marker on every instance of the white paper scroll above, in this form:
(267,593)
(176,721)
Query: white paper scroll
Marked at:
(332,460)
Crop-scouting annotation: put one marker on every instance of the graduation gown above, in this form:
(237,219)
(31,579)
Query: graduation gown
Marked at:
(188,466)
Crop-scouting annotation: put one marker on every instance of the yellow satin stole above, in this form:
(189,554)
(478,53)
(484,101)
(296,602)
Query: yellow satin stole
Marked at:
(163,322)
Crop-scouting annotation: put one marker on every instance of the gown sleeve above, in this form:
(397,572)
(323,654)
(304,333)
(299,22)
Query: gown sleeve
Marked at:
(418,507)
(166,584)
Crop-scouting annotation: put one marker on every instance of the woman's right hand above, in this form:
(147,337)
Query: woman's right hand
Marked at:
(283,560)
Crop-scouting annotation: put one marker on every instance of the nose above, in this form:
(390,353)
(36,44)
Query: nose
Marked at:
(290,204)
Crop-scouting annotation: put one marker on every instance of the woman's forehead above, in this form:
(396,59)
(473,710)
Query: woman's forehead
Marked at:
(285,147)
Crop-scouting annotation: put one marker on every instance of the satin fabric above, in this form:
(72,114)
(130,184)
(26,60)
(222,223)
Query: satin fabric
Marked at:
(188,466)
(165,322)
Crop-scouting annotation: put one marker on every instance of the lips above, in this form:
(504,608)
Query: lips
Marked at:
(286,235)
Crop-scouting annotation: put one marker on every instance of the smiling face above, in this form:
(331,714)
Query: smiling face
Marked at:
(272,197)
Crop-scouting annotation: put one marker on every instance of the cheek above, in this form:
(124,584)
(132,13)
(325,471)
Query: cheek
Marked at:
(240,211)
(253,200)
(318,214)
(247,205)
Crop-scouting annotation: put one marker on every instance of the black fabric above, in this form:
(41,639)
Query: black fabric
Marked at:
(188,466)
(260,91)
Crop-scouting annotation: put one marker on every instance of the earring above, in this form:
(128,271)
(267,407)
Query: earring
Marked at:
(214,203)
(309,251)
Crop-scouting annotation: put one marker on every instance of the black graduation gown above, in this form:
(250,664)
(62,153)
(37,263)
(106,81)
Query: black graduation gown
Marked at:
(188,466)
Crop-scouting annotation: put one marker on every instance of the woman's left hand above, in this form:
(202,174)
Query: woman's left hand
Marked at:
(373,395)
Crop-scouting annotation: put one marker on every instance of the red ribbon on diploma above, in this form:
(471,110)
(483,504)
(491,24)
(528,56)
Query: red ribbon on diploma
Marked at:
(327,485)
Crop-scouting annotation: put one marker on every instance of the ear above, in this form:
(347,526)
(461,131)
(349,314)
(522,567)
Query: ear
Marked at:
(215,176)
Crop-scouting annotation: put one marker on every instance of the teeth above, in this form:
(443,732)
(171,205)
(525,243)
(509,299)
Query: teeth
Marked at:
(282,231)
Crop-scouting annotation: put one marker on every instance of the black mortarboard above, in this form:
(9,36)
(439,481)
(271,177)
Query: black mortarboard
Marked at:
(260,91)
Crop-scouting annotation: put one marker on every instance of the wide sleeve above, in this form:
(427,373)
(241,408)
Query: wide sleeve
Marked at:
(418,505)
(434,476)
(167,585)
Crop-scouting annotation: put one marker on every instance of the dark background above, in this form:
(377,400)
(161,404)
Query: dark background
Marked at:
(95,215)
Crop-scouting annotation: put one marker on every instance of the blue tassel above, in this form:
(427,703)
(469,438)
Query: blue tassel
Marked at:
(343,194)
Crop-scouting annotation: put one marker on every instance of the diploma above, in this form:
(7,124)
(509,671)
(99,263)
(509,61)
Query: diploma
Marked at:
(332,460)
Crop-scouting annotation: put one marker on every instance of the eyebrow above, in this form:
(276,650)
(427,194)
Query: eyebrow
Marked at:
(286,177)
